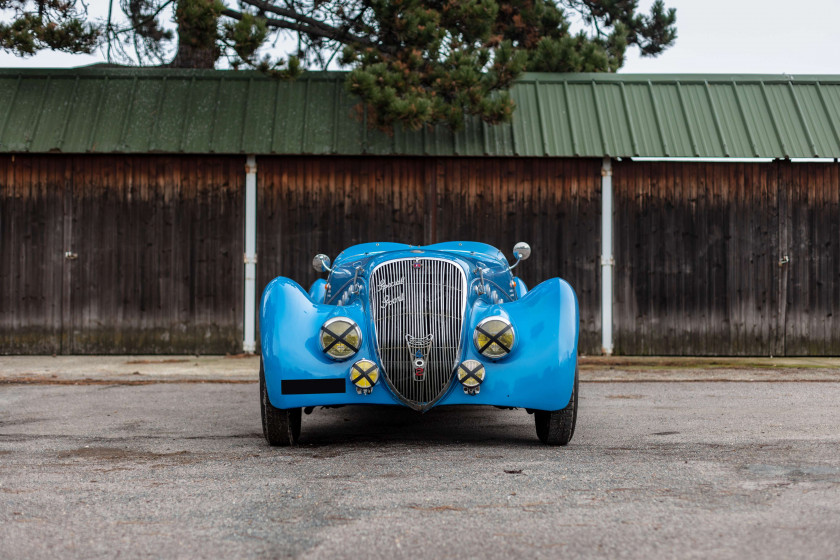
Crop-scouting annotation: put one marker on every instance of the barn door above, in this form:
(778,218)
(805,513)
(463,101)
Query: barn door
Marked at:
(156,249)
(32,196)
(808,259)
(97,256)
(696,249)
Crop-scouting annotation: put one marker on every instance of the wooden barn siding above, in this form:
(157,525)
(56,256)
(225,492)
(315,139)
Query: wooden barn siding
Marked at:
(810,235)
(553,204)
(159,244)
(160,247)
(309,205)
(32,260)
(697,258)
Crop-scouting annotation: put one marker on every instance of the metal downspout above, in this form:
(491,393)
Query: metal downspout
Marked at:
(607,261)
(249,343)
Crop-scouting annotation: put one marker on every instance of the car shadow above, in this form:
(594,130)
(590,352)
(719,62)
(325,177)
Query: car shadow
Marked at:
(442,426)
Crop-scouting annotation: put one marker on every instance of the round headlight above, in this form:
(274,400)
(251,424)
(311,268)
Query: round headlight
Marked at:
(471,375)
(364,374)
(494,337)
(340,338)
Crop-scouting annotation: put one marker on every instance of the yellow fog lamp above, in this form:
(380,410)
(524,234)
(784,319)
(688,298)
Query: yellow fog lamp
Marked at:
(494,337)
(471,375)
(364,374)
(340,338)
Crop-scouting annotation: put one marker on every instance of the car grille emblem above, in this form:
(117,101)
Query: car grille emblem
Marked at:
(419,348)
(393,292)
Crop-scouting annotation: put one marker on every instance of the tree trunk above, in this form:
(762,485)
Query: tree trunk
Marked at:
(198,33)
(191,56)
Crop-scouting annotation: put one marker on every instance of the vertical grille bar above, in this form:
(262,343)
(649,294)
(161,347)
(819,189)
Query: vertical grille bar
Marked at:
(418,297)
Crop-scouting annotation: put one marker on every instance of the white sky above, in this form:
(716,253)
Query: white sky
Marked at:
(714,36)
(749,37)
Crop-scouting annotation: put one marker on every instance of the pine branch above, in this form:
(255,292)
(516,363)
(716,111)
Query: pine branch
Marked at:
(304,24)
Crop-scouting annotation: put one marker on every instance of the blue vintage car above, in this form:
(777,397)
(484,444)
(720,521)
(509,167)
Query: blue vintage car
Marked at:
(419,326)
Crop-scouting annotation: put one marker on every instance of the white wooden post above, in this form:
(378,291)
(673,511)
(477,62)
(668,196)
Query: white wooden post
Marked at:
(249,343)
(607,261)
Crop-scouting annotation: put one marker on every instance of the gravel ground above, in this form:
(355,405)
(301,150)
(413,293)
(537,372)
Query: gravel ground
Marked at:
(656,470)
(138,370)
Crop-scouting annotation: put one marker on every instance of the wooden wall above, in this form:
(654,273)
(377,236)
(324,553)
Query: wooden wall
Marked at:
(322,205)
(160,242)
(700,258)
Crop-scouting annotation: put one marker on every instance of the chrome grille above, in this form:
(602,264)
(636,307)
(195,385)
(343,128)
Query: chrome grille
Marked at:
(418,297)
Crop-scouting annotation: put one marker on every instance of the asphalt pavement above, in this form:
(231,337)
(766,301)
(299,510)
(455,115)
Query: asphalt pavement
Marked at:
(177,468)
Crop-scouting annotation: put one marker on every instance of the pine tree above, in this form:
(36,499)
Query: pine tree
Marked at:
(28,26)
(414,62)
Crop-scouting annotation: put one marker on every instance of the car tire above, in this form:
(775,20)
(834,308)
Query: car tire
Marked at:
(281,426)
(558,426)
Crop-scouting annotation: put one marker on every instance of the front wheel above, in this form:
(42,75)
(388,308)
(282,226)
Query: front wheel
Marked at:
(557,427)
(281,426)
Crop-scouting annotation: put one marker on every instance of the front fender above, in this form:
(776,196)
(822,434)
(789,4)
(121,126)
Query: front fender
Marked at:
(539,372)
(318,291)
(290,323)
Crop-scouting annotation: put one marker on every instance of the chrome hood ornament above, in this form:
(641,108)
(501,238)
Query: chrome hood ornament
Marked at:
(419,348)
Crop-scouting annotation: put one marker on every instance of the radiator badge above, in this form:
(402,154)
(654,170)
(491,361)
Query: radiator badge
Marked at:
(394,294)
(419,348)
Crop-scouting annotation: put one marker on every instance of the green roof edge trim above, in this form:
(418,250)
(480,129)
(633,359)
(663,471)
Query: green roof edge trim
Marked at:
(105,109)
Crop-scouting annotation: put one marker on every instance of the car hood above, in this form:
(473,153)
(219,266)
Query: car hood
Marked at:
(360,260)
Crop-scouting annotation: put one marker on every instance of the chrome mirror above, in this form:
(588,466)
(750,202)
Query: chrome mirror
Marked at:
(321,263)
(521,251)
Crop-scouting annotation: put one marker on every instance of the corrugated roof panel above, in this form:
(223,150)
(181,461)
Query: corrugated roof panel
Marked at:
(408,142)
(291,115)
(438,141)
(675,125)
(349,131)
(259,119)
(404,142)
(114,116)
(610,106)
(320,116)
(145,105)
(584,120)
(228,117)
(821,123)
(830,96)
(646,129)
(783,111)
(169,115)
(498,139)
(27,108)
(80,129)
(109,109)
(54,112)
(527,138)
(757,116)
(112,110)
(736,138)
(199,118)
(470,140)
(379,142)
(9,87)
(701,119)
(554,118)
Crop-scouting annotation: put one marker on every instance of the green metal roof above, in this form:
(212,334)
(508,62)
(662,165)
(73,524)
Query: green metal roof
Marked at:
(131,110)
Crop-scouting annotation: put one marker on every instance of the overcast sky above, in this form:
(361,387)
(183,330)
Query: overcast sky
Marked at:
(714,36)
